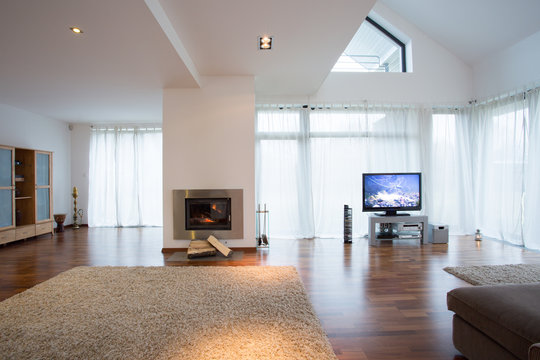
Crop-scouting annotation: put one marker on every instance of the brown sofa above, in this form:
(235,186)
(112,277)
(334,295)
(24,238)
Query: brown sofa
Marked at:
(497,322)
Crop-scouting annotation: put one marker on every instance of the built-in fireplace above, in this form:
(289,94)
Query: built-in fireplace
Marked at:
(198,214)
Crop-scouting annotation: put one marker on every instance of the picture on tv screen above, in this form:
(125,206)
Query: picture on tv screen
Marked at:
(392,191)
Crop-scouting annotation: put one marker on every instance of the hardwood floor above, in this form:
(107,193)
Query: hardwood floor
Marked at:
(383,302)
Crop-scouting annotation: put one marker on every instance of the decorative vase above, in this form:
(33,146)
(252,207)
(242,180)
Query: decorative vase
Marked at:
(59,218)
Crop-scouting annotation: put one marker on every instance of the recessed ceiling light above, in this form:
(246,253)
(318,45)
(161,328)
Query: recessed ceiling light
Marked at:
(265,42)
(76,30)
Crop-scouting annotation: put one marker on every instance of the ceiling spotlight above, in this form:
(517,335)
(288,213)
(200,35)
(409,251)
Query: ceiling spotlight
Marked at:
(265,42)
(76,30)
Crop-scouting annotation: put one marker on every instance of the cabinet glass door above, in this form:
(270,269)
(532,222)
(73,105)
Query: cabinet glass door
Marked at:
(6,158)
(6,207)
(6,190)
(42,169)
(43,204)
(43,186)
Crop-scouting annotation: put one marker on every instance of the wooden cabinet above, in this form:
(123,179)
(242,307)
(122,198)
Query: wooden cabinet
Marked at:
(25,193)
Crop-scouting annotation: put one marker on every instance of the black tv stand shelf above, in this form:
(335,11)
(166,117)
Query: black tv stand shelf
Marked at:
(391,215)
(387,237)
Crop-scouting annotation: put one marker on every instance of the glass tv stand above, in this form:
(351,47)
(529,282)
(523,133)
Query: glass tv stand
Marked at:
(414,227)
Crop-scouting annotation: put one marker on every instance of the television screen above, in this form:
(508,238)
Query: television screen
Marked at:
(392,192)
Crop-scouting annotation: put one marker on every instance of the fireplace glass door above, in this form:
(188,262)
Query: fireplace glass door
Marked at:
(208,213)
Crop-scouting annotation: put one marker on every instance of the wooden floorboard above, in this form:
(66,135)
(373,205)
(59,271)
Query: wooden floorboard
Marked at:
(375,302)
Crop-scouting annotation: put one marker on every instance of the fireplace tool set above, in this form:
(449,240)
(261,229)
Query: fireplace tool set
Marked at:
(262,234)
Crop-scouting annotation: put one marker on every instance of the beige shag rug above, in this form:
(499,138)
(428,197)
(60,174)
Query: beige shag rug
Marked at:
(497,274)
(248,312)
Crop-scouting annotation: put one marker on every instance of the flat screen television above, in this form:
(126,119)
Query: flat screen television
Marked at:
(392,192)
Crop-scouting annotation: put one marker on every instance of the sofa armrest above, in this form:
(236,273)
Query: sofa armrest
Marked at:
(534,352)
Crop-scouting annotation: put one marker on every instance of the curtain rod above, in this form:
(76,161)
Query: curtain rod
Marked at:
(504,96)
(365,103)
(354,106)
(125,126)
(321,106)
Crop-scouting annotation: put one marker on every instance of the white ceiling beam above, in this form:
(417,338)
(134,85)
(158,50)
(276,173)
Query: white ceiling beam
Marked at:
(167,27)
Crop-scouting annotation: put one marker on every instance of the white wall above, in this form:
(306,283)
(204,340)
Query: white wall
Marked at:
(25,129)
(439,77)
(80,147)
(510,69)
(208,142)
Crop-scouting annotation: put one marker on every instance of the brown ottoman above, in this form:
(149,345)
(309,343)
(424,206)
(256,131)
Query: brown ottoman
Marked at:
(496,322)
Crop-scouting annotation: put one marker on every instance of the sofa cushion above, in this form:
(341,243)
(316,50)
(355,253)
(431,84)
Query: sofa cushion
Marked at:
(509,314)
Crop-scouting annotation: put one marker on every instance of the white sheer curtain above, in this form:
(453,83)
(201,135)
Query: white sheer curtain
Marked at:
(283,178)
(532,174)
(125,186)
(345,143)
(500,134)
(480,164)
(448,178)
(489,168)
(310,162)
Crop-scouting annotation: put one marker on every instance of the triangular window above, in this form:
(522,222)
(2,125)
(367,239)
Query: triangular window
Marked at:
(372,49)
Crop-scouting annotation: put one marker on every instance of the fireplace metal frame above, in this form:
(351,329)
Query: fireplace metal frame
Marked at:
(179,214)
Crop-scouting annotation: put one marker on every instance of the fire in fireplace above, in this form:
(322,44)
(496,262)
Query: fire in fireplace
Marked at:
(208,213)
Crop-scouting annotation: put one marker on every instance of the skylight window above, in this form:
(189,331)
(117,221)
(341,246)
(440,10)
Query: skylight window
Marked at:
(372,49)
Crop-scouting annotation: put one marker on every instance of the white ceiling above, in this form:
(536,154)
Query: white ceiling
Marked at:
(309,35)
(115,70)
(129,51)
(471,29)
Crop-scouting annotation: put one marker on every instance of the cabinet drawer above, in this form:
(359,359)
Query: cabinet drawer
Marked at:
(7,236)
(44,228)
(24,232)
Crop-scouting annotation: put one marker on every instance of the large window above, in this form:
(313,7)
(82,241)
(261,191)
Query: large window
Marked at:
(480,164)
(501,159)
(447,172)
(125,186)
(310,163)
(372,49)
